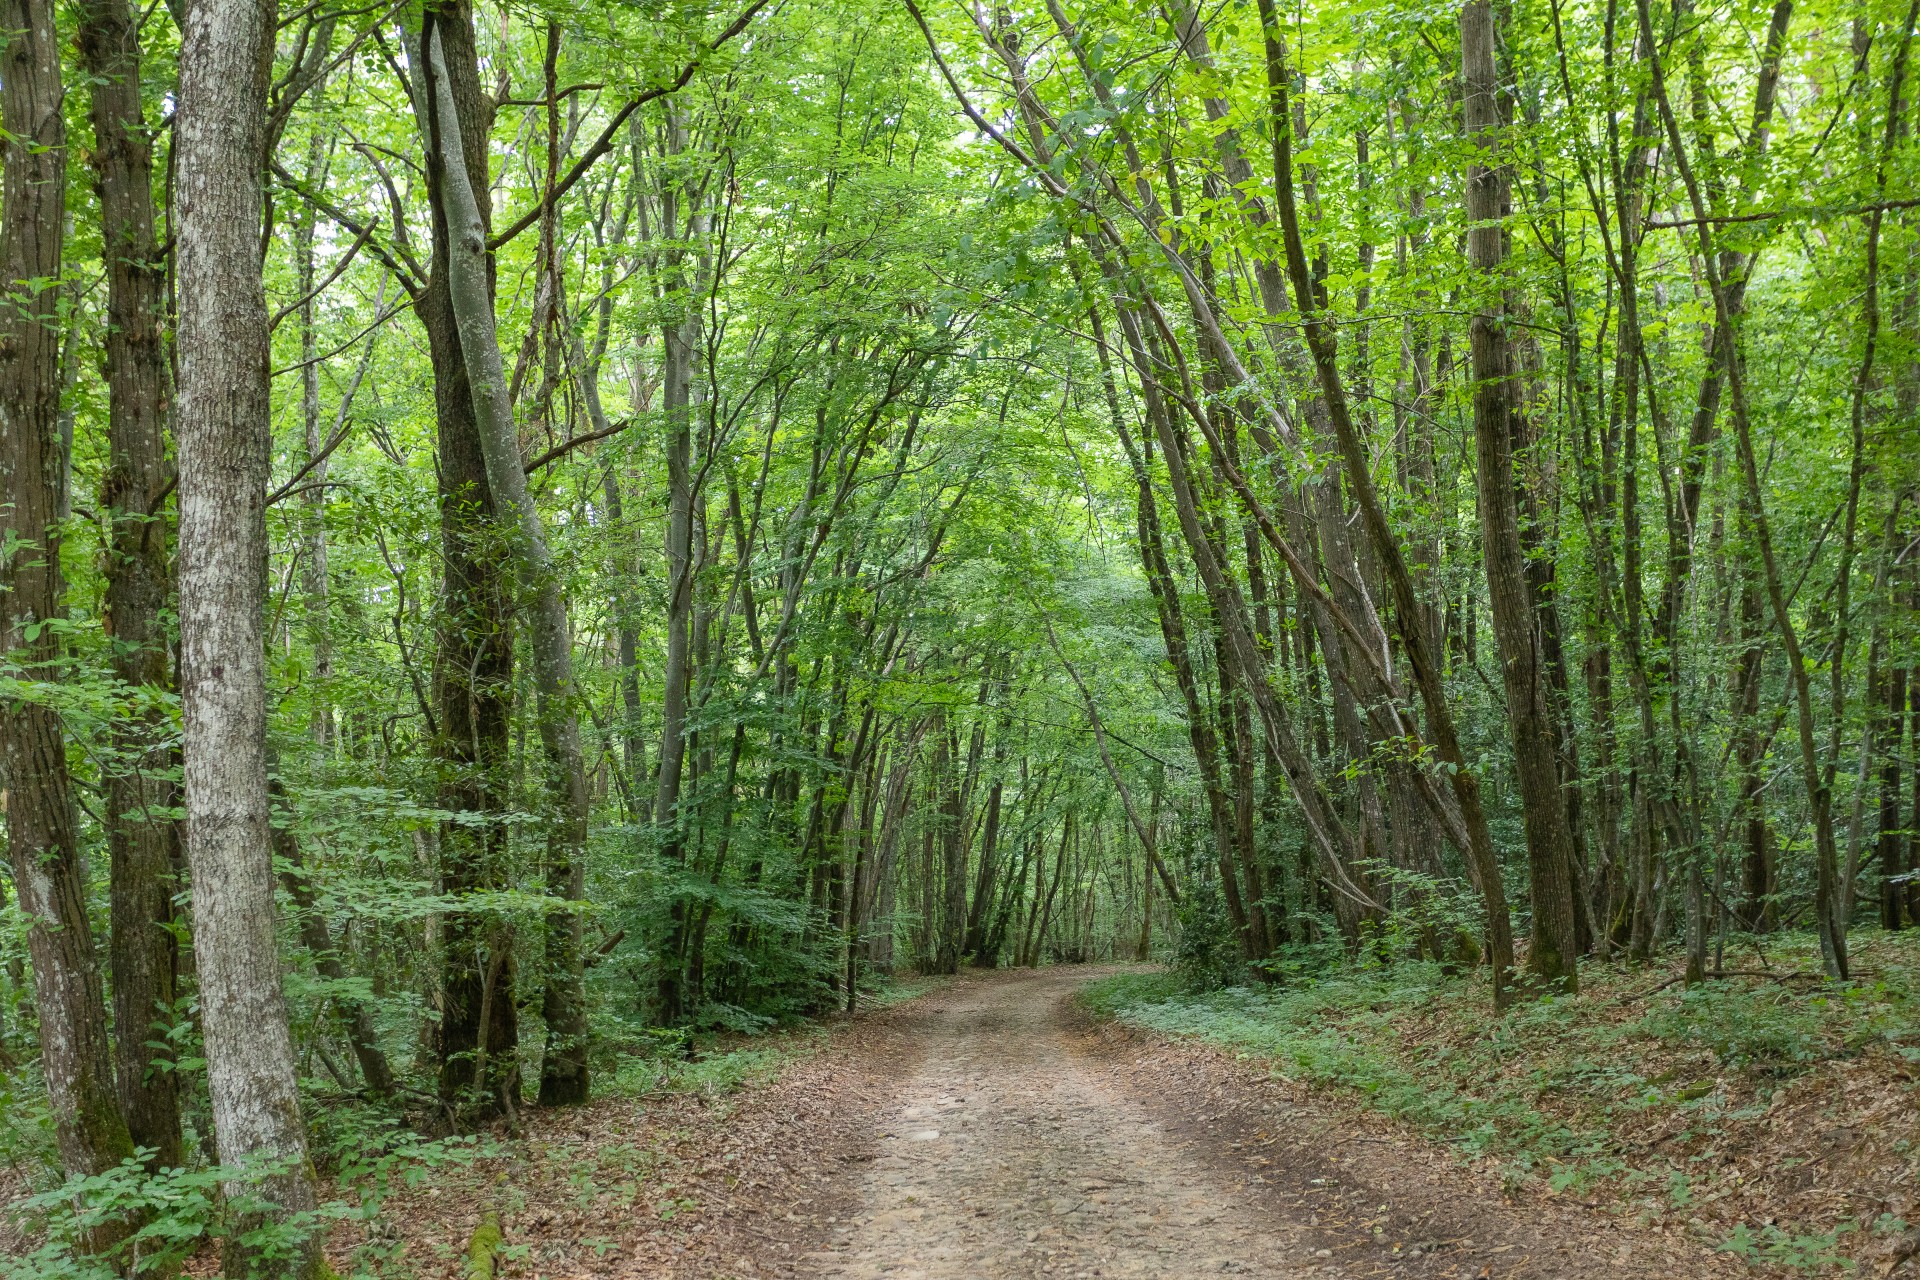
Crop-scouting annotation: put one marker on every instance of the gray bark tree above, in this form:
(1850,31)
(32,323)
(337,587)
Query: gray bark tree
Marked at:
(224,436)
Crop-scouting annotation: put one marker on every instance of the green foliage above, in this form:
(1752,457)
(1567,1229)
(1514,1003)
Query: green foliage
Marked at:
(1776,1029)
(1207,953)
(912,505)
(1812,1251)
(711,1074)
(1782,1029)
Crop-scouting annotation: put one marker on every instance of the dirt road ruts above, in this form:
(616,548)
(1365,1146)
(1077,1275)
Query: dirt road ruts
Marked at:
(1022,1143)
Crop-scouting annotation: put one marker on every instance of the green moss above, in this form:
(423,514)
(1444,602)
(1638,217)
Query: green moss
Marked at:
(483,1247)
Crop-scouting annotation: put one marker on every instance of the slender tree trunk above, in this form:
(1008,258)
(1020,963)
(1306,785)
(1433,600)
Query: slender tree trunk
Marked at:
(142,837)
(679,337)
(1888,721)
(478,1036)
(1552,956)
(89,1127)
(224,431)
(1482,863)
(1832,930)
(313,503)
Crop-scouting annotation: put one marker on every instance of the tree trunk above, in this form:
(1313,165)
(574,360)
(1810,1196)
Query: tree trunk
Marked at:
(89,1127)
(224,426)
(313,503)
(678,339)
(478,1038)
(1483,865)
(142,838)
(563,1077)
(1832,929)
(1888,716)
(1552,957)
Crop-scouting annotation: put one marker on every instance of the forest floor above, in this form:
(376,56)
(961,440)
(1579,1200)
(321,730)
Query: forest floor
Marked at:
(1771,1114)
(993,1129)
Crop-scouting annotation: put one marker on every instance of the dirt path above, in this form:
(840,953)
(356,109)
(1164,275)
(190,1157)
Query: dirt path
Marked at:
(1007,1156)
(1024,1144)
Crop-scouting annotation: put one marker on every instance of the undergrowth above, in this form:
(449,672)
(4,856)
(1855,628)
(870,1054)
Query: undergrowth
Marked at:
(1634,1093)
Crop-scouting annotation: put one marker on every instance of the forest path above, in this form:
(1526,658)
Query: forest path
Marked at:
(1013,1139)
(1011,1154)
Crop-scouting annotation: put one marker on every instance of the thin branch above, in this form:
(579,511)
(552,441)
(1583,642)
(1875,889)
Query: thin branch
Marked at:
(1809,211)
(604,143)
(366,234)
(565,447)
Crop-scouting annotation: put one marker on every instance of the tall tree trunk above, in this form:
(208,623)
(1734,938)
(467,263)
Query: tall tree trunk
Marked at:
(43,845)
(563,1076)
(1889,718)
(224,429)
(1552,958)
(679,336)
(1483,865)
(1758,911)
(313,503)
(142,838)
(478,1037)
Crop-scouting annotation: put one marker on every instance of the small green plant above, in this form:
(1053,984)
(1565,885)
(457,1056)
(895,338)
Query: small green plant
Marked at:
(1806,1252)
(1769,1028)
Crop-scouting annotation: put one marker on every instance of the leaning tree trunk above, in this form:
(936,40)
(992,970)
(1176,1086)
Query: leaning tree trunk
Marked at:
(224,433)
(1483,865)
(563,1076)
(141,835)
(89,1128)
(1552,957)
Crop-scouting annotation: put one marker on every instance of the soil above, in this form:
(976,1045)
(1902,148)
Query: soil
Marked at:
(1027,1141)
(991,1131)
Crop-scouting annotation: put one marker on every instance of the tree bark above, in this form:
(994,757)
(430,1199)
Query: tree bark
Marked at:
(1832,929)
(1890,704)
(1552,958)
(224,427)
(677,345)
(1483,866)
(478,1037)
(563,1077)
(313,503)
(142,839)
(89,1127)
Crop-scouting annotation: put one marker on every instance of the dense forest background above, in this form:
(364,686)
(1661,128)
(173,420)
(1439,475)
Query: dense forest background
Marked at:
(739,504)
